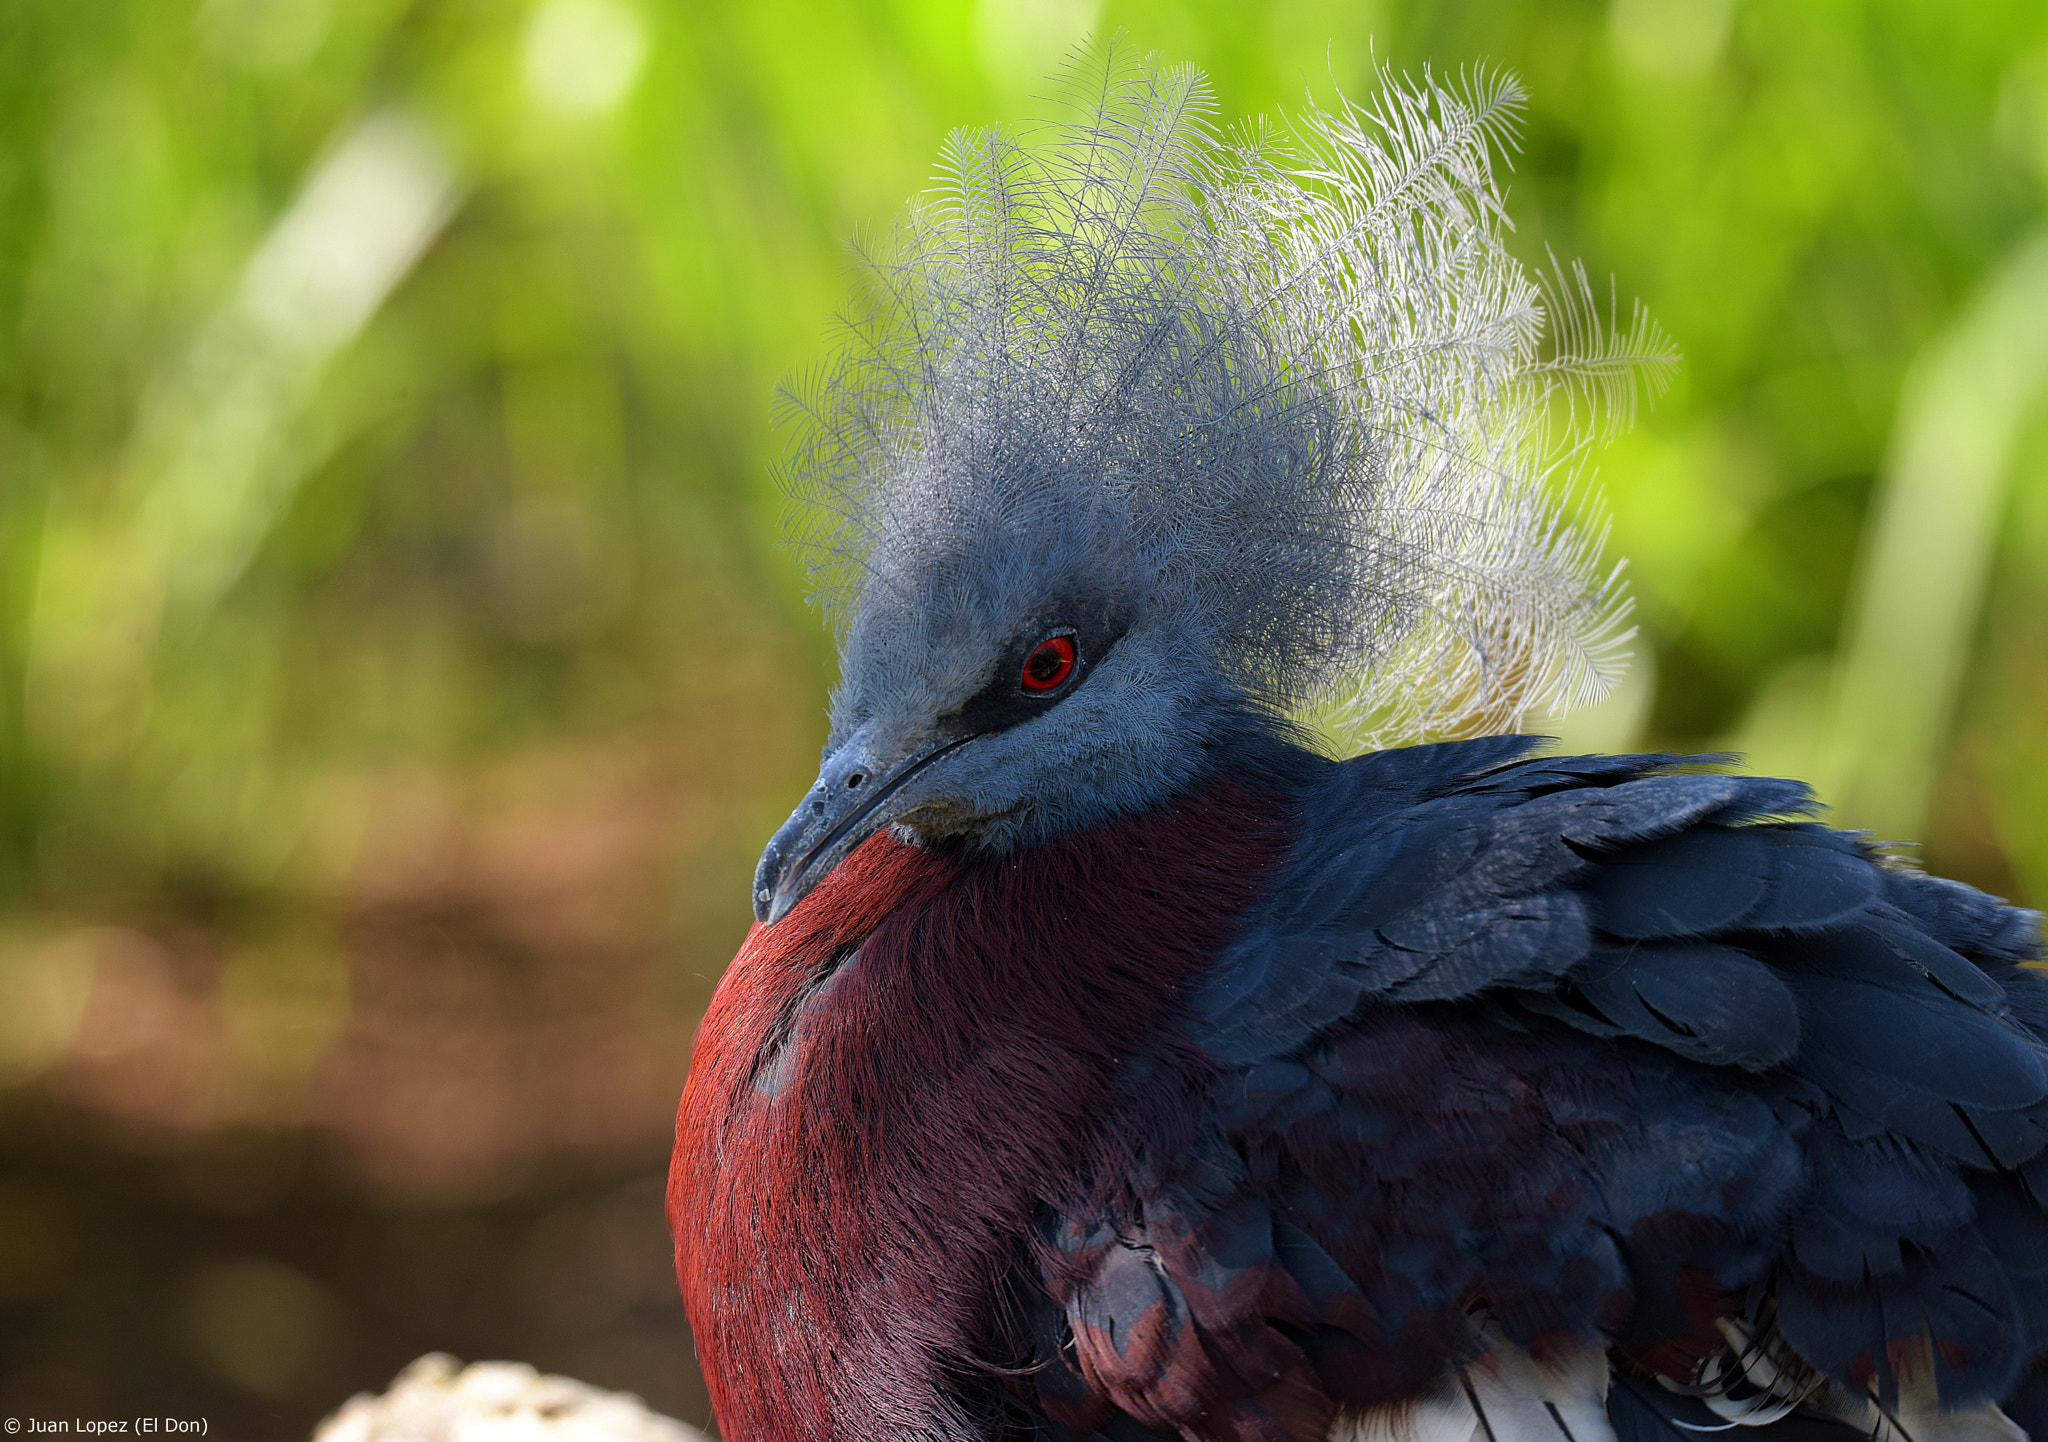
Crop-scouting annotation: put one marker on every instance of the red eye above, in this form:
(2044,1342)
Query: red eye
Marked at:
(1049,665)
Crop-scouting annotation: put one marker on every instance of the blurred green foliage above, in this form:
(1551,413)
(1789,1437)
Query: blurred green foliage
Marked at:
(384,394)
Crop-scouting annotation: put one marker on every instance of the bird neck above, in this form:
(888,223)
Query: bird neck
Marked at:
(894,1081)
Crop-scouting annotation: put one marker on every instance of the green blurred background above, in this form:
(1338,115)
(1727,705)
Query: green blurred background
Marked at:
(399,673)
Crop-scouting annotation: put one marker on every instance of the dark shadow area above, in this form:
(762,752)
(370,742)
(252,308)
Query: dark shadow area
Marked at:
(252,1290)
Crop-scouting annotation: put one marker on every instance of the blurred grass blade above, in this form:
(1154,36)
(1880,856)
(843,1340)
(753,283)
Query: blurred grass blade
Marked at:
(1921,582)
(217,450)
(214,453)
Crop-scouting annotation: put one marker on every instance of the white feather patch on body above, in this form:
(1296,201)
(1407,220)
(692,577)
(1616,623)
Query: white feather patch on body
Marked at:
(1918,1417)
(1521,1400)
(1503,1396)
(1921,1420)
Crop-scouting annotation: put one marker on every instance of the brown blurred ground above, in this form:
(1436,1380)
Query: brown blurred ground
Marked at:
(245,1210)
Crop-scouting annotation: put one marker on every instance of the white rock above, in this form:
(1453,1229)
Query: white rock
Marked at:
(437,1399)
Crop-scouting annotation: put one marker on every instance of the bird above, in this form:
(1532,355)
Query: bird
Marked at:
(1186,1005)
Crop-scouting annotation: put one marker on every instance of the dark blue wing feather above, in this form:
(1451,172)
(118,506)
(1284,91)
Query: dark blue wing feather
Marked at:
(1702,999)
(1701,882)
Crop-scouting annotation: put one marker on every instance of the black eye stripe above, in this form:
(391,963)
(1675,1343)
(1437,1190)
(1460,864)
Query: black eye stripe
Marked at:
(1012,696)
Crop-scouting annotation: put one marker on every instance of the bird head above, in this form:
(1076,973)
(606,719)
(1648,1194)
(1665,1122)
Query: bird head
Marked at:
(1151,437)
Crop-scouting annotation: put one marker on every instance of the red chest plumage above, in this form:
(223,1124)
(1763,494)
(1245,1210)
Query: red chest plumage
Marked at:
(895,1078)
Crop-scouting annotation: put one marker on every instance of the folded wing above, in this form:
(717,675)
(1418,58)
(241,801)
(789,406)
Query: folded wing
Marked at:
(1562,1053)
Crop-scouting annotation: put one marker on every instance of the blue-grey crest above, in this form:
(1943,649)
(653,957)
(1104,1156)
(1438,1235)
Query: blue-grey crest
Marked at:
(1257,425)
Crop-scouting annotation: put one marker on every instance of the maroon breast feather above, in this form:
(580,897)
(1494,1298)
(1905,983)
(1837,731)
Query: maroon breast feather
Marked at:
(894,1080)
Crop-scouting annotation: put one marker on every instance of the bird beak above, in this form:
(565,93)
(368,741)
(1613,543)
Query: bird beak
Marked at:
(849,803)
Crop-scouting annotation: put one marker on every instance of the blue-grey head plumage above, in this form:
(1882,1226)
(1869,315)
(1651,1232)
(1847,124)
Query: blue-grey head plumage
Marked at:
(1256,423)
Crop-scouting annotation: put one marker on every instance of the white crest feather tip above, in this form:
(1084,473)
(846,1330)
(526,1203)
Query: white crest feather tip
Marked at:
(1288,379)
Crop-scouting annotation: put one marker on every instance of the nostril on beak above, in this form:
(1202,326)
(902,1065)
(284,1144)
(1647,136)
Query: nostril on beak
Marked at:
(855,780)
